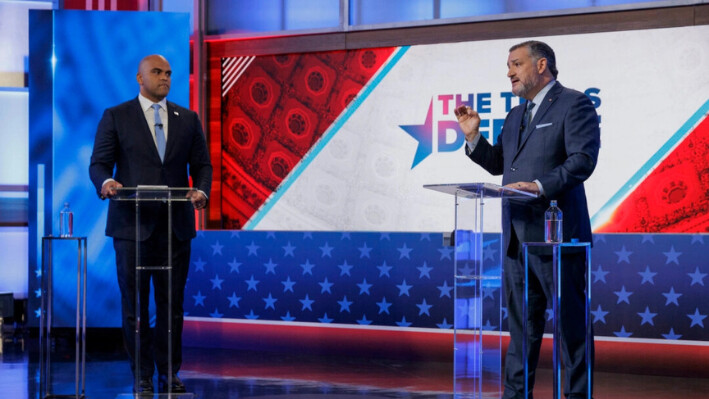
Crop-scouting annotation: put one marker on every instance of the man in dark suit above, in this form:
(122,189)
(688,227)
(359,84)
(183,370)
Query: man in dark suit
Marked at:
(151,141)
(548,146)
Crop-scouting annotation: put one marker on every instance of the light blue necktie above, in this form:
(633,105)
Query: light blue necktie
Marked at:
(159,132)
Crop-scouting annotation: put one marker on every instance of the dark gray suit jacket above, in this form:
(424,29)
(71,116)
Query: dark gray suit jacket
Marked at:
(560,151)
(124,142)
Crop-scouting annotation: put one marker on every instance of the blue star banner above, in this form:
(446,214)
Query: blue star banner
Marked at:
(643,286)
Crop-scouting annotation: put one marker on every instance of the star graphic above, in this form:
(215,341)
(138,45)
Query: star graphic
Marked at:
(623,295)
(697,238)
(425,236)
(622,333)
(425,269)
(672,256)
(404,252)
(446,253)
(288,285)
(623,255)
(599,315)
(424,308)
(345,269)
(697,318)
(251,315)
(307,267)
(647,276)
(672,335)
(403,322)
(488,327)
(253,249)
(489,253)
(270,302)
(270,266)
(599,238)
(217,248)
(364,287)
(308,234)
(465,271)
(216,282)
(198,299)
(325,286)
(325,319)
(346,235)
(444,325)
(234,300)
(364,251)
(384,306)
(234,233)
(647,316)
(404,288)
(445,289)
(363,321)
(252,283)
(234,266)
(599,275)
(648,238)
(289,250)
(38,293)
(326,250)
(384,236)
(550,314)
(423,134)
(384,269)
(287,317)
(271,234)
(671,296)
(216,314)
(37,313)
(199,265)
(489,292)
(344,304)
(307,303)
(504,312)
(697,277)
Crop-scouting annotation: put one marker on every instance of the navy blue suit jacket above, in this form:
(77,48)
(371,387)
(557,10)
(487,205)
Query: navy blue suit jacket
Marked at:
(560,151)
(124,143)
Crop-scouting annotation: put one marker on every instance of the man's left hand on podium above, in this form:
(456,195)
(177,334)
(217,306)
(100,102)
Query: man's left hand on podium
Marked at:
(198,199)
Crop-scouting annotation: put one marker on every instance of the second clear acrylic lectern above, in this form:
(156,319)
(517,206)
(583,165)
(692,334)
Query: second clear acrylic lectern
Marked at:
(477,352)
(140,196)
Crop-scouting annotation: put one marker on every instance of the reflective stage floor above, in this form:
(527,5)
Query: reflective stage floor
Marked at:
(221,373)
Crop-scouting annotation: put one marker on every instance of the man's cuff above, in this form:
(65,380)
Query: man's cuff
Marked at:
(473,143)
(541,188)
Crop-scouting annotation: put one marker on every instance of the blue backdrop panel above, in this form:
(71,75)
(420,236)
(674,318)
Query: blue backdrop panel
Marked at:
(82,62)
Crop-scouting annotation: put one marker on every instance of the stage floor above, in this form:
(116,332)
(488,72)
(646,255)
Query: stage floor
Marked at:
(221,374)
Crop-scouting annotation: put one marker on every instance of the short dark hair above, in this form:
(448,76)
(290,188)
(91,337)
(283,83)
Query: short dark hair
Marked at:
(539,50)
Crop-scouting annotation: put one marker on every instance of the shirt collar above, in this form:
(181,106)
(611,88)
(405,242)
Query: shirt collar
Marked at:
(543,93)
(145,104)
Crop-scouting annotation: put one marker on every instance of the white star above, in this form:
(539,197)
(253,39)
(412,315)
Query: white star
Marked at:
(270,302)
(253,249)
(289,250)
(424,307)
(403,322)
(404,252)
(671,296)
(234,266)
(217,248)
(326,250)
(364,321)
(216,282)
(216,314)
(270,266)
(672,256)
(364,287)
(384,306)
(234,300)
(647,316)
(444,325)
(325,286)
(647,276)
(364,251)
(622,333)
(599,275)
(252,283)
(198,299)
(697,277)
(384,269)
(446,253)
(623,255)
(599,315)
(307,303)
(445,289)
(697,238)
(345,304)
(307,267)
(697,318)
(199,264)
(425,269)
(489,253)
(672,335)
(345,269)
(623,295)
(404,288)
(648,238)
(288,285)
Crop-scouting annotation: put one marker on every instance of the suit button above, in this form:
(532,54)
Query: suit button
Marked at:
(513,169)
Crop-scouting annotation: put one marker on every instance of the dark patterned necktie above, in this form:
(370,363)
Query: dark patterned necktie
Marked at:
(526,121)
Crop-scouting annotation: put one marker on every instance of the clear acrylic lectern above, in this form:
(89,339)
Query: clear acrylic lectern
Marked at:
(140,195)
(477,362)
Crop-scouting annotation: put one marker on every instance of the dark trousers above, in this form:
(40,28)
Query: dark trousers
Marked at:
(153,342)
(572,314)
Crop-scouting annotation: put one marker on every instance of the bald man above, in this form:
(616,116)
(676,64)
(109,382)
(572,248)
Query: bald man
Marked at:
(151,141)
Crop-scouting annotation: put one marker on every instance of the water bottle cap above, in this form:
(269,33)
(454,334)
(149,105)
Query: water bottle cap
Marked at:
(574,240)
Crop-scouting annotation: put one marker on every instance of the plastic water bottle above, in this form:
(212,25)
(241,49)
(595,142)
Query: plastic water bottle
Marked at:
(66,222)
(553,224)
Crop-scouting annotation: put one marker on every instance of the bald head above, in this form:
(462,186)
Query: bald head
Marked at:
(154,77)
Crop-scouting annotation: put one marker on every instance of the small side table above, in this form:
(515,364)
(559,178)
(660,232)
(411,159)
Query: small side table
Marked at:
(45,329)
(557,270)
